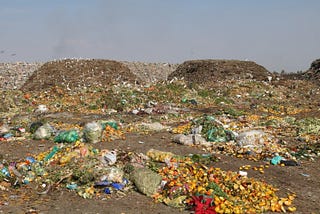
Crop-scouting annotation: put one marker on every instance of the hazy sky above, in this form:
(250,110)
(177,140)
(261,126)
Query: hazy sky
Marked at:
(278,34)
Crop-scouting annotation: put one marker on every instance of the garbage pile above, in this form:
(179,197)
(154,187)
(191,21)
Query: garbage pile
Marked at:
(65,73)
(206,71)
(313,71)
(14,75)
(190,183)
(78,167)
(72,162)
(252,144)
(244,119)
(178,181)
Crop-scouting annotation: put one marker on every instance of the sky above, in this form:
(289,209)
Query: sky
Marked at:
(277,34)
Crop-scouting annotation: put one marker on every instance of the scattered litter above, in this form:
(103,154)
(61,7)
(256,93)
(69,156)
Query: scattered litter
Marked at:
(108,157)
(41,109)
(289,163)
(190,140)
(156,126)
(243,119)
(7,135)
(305,175)
(276,160)
(229,191)
(243,173)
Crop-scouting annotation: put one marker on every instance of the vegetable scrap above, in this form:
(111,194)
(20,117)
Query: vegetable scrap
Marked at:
(212,190)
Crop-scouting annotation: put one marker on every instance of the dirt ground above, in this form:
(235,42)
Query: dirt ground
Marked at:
(301,95)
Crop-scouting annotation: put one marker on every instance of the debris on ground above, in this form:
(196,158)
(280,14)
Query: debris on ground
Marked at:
(187,181)
(81,135)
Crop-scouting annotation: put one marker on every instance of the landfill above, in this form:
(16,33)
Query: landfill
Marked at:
(245,145)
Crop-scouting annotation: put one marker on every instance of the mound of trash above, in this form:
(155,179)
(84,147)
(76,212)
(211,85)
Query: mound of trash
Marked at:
(206,71)
(314,71)
(151,72)
(78,73)
(14,75)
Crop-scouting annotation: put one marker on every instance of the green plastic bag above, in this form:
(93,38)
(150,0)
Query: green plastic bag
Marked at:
(67,137)
(219,135)
(111,124)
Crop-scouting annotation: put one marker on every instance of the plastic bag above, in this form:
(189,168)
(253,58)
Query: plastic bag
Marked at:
(111,124)
(67,137)
(92,132)
(219,134)
(157,155)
